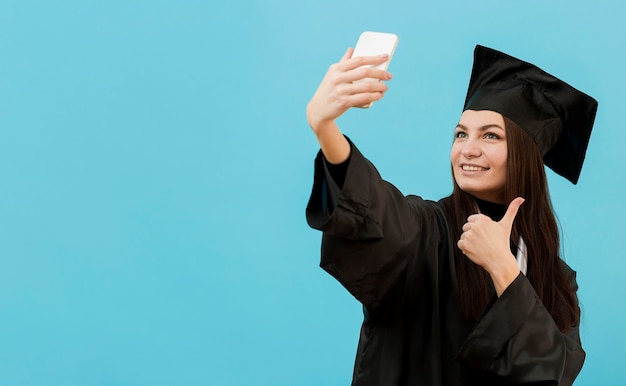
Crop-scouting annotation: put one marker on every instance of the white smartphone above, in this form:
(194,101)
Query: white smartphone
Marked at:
(373,44)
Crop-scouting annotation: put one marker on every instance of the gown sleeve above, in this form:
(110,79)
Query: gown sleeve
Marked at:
(367,223)
(517,339)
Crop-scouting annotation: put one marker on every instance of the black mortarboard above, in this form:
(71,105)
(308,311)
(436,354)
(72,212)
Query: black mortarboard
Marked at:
(557,116)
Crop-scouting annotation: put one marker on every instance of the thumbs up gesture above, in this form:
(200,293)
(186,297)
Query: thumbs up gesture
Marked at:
(486,243)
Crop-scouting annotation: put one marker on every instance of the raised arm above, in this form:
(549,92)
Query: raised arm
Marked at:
(339,91)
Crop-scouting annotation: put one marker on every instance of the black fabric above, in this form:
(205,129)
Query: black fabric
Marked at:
(493,210)
(338,171)
(395,255)
(556,115)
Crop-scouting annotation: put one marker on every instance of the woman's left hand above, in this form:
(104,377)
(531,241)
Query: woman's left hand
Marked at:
(487,243)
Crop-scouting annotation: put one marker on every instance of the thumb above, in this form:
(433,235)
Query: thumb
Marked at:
(511,212)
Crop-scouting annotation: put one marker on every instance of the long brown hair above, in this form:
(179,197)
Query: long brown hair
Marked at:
(535,222)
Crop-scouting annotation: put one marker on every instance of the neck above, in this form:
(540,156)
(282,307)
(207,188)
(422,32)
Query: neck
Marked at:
(492,209)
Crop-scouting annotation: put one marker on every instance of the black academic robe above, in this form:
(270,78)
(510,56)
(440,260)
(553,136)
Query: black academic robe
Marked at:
(395,254)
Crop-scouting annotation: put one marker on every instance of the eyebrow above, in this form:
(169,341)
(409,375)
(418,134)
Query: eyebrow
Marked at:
(482,128)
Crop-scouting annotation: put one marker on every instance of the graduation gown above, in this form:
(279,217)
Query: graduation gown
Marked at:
(395,255)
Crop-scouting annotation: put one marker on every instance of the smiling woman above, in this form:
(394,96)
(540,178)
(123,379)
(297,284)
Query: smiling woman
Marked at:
(478,155)
(470,289)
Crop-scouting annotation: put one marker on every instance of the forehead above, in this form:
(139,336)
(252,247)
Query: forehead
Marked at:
(481,118)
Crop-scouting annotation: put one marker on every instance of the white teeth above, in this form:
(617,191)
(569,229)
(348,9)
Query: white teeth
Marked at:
(472,168)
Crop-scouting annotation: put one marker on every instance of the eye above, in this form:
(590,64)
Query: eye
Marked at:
(460,134)
(492,136)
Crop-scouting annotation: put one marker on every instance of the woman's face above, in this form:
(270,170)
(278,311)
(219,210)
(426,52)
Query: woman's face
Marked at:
(479,154)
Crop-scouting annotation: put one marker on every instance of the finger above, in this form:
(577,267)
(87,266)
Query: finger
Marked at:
(358,61)
(363,87)
(461,245)
(511,211)
(365,72)
(347,55)
(466,227)
(475,217)
(361,99)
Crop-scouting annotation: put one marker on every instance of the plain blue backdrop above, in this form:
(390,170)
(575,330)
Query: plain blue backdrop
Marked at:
(155,164)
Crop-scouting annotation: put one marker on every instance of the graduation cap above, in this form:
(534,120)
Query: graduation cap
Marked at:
(557,116)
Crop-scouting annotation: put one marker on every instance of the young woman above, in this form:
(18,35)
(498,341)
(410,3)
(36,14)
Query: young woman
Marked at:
(468,290)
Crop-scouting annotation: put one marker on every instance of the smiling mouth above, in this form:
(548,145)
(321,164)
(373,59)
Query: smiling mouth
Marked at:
(472,168)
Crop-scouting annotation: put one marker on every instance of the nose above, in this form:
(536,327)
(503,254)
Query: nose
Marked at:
(470,149)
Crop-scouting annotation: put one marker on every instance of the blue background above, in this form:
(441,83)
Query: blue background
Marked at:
(155,163)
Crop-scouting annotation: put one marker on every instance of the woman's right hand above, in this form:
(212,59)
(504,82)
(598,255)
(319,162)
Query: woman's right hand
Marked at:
(338,91)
